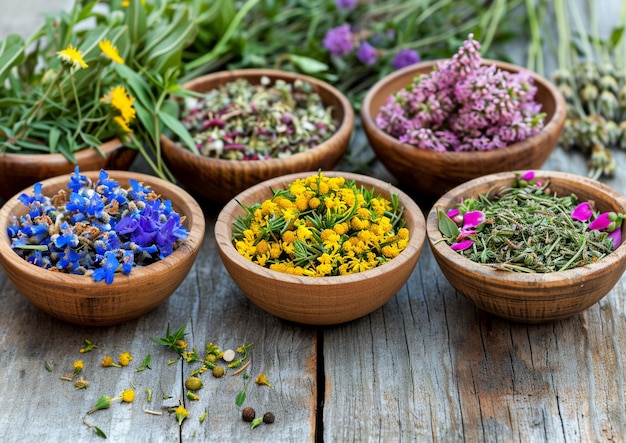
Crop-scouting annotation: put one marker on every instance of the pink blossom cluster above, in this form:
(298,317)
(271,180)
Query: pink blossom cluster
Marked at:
(463,105)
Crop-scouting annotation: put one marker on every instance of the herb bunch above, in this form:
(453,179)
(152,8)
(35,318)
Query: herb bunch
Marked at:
(322,226)
(95,73)
(525,227)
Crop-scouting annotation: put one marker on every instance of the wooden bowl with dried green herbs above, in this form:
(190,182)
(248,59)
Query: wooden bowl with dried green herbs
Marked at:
(530,246)
(251,125)
(325,260)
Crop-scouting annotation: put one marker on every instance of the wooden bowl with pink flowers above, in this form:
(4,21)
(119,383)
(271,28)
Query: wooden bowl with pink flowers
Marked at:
(531,297)
(430,170)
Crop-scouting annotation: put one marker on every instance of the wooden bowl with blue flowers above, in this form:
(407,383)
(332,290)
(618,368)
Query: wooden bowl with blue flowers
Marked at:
(532,295)
(99,248)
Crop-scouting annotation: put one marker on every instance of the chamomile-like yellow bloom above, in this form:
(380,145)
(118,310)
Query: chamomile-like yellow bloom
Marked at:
(122,124)
(111,51)
(321,226)
(128,396)
(72,56)
(125,358)
(78,366)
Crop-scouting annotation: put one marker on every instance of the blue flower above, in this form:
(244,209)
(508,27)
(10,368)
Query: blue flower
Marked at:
(77,181)
(108,266)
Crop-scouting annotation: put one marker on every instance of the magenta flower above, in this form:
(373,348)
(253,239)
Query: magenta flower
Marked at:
(617,237)
(405,57)
(472,219)
(452,212)
(462,246)
(367,54)
(465,233)
(602,222)
(528,176)
(582,212)
(339,40)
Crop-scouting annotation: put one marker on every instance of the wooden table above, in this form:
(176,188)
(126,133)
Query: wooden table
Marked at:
(427,366)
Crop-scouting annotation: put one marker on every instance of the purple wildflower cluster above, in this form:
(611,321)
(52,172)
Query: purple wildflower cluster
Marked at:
(342,41)
(463,105)
(99,230)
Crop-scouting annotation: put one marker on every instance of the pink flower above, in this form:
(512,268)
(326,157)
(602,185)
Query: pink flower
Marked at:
(582,212)
(602,222)
(528,176)
(465,234)
(472,219)
(617,238)
(463,245)
(452,212)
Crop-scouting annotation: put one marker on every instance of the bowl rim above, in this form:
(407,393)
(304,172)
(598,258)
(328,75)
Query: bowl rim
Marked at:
(435,238)
(195,236)
(345,128)
(552,125)
(223,233)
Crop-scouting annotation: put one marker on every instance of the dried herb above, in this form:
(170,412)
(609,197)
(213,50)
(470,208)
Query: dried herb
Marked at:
(173,340)
(242,121)
(527,228)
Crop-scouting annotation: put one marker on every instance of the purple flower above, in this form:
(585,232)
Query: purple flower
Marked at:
(367,54)
(601,222)
(339,40)
(405,57)
(461,246)
(528,176)
(452,212)
(472,219)
(617,238)
(582,212)
(345,4)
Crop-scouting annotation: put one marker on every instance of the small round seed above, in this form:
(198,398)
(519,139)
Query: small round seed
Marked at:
(248,414)
(268,418)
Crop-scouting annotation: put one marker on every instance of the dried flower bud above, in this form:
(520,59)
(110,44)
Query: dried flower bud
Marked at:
(218,371)
(193,383)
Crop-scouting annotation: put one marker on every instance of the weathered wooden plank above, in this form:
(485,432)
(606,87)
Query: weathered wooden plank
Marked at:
(44,407)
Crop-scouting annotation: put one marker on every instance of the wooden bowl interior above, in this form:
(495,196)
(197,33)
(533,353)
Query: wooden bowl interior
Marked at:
(78,299)
(219,180)
(434,173)
(323,300)
(530,298)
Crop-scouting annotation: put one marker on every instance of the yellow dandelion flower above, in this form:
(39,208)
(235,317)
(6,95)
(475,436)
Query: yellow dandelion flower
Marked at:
(122,124)
(119,99)
(78,366)
(125,358)
(128,396)
(107,362)
(109,50)
(181,414)
(72,56)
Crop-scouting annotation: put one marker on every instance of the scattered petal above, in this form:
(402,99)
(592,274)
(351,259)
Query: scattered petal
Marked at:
(601,222)
(462,246)
(473,219)
(582,212)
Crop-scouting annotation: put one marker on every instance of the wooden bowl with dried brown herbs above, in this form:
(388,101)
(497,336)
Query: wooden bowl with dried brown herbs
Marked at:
(251,125)
(530,246)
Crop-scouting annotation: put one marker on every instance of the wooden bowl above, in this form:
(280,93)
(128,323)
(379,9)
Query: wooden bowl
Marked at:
(18,171)
(220,180)
(530,298)
(78,299)
(431,173)
(318,300)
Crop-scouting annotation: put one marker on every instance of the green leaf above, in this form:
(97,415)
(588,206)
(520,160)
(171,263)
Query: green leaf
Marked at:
(616,36)
(177,128)
(11,54)
(241,397)
(256,422)
(447,226)
(90,140)
(145,364)
(308,65)
(99,432)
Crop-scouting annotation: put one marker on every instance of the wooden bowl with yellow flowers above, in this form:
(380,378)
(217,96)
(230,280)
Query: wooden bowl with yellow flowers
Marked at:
(550,263)
(227,144)
(340,246)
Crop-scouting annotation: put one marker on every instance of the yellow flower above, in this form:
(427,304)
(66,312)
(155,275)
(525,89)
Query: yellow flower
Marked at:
(128,396)
(107,362)
(72,56)
(181,414)
(125,358)
(262,380)
(119,99)
(110,51)
(122,124)
(78,366)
